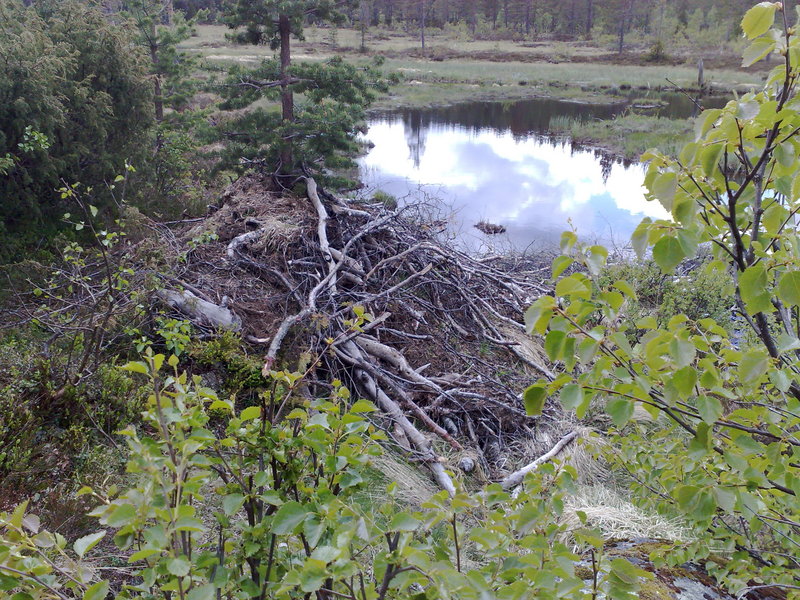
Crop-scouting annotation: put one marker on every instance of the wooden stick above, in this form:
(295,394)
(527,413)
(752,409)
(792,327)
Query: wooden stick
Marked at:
(516,477)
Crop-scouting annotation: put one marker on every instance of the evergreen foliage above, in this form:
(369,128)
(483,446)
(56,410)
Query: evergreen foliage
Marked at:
(325,121)
(319,131)
(73,77)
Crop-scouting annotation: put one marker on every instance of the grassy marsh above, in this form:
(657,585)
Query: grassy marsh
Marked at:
(628,135)
(552,69)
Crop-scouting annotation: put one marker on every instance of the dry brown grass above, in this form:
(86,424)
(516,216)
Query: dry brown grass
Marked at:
(617,517)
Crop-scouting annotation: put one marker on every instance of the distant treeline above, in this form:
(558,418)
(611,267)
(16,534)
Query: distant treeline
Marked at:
(568,19)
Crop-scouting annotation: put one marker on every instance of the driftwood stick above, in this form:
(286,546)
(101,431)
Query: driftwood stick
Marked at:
(236,243)
(352,353)
(516,477)
(201,311)
(322,230)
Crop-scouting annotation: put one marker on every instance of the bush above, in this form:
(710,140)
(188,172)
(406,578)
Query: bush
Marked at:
(72,77)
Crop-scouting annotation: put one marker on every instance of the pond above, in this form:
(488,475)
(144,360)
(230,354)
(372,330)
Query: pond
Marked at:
(495,163)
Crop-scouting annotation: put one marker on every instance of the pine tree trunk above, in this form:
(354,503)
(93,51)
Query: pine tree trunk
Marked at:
(528,18)
(589,18)
(364,16)
(422,24)
(158,92)
(287,99)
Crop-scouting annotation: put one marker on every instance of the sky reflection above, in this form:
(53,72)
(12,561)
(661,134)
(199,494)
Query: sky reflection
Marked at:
(532,184)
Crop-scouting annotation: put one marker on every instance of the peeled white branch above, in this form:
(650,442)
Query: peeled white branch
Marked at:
(242,240)
(517,477)
(201,311)
(322,231)
(352,353)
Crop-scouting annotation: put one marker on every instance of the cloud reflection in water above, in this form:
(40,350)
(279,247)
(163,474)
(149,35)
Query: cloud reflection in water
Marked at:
(531,184)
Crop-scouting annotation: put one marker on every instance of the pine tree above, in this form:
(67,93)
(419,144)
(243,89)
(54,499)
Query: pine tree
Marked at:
(321,132)
(160,30)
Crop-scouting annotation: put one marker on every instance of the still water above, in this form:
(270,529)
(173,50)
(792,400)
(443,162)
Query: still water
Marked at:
(495,162)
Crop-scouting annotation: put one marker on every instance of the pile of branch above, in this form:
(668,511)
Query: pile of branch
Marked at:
(442,351)
(444,354)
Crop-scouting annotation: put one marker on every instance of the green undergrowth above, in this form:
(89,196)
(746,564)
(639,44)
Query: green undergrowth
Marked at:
(238,372)
(628,135)
(56,437)
(701,292)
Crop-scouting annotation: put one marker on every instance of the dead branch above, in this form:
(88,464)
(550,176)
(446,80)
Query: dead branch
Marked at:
(516,477)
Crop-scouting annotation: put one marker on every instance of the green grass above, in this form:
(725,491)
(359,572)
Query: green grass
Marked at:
(431,82)
(628,135)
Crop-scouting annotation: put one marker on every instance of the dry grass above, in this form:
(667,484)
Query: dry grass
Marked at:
(413,487)
(618,518)
(453,66)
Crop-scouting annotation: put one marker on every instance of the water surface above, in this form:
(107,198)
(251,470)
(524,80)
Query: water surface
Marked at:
(495,162)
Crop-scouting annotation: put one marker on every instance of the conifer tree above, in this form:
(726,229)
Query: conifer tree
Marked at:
(69,76)
(322,130)
(160,30)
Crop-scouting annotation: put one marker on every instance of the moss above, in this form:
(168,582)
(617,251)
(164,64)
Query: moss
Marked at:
(241,372)
(654,589)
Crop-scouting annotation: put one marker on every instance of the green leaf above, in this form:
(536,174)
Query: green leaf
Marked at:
(620,409)
(759,19)
(757,50)
(625,288)
(179,566)
(121,515)
(596,259)
(232,503)
(349,479)
(534,398)
(202,592)
(710,409)
(554,345)
(135,367)
(668,253)
(682,351)
(754,290)
(640,236)
(539,314)
(573,286)
(87,542)
(747,444)
(789,288)
(753,366)
(403,522)
(288,517)
(780,380)
(684,381)
(363,406)
(560,264)
(709,158)
(250,413)
(98,591)
(142,554)
(664,188)
(571,396)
